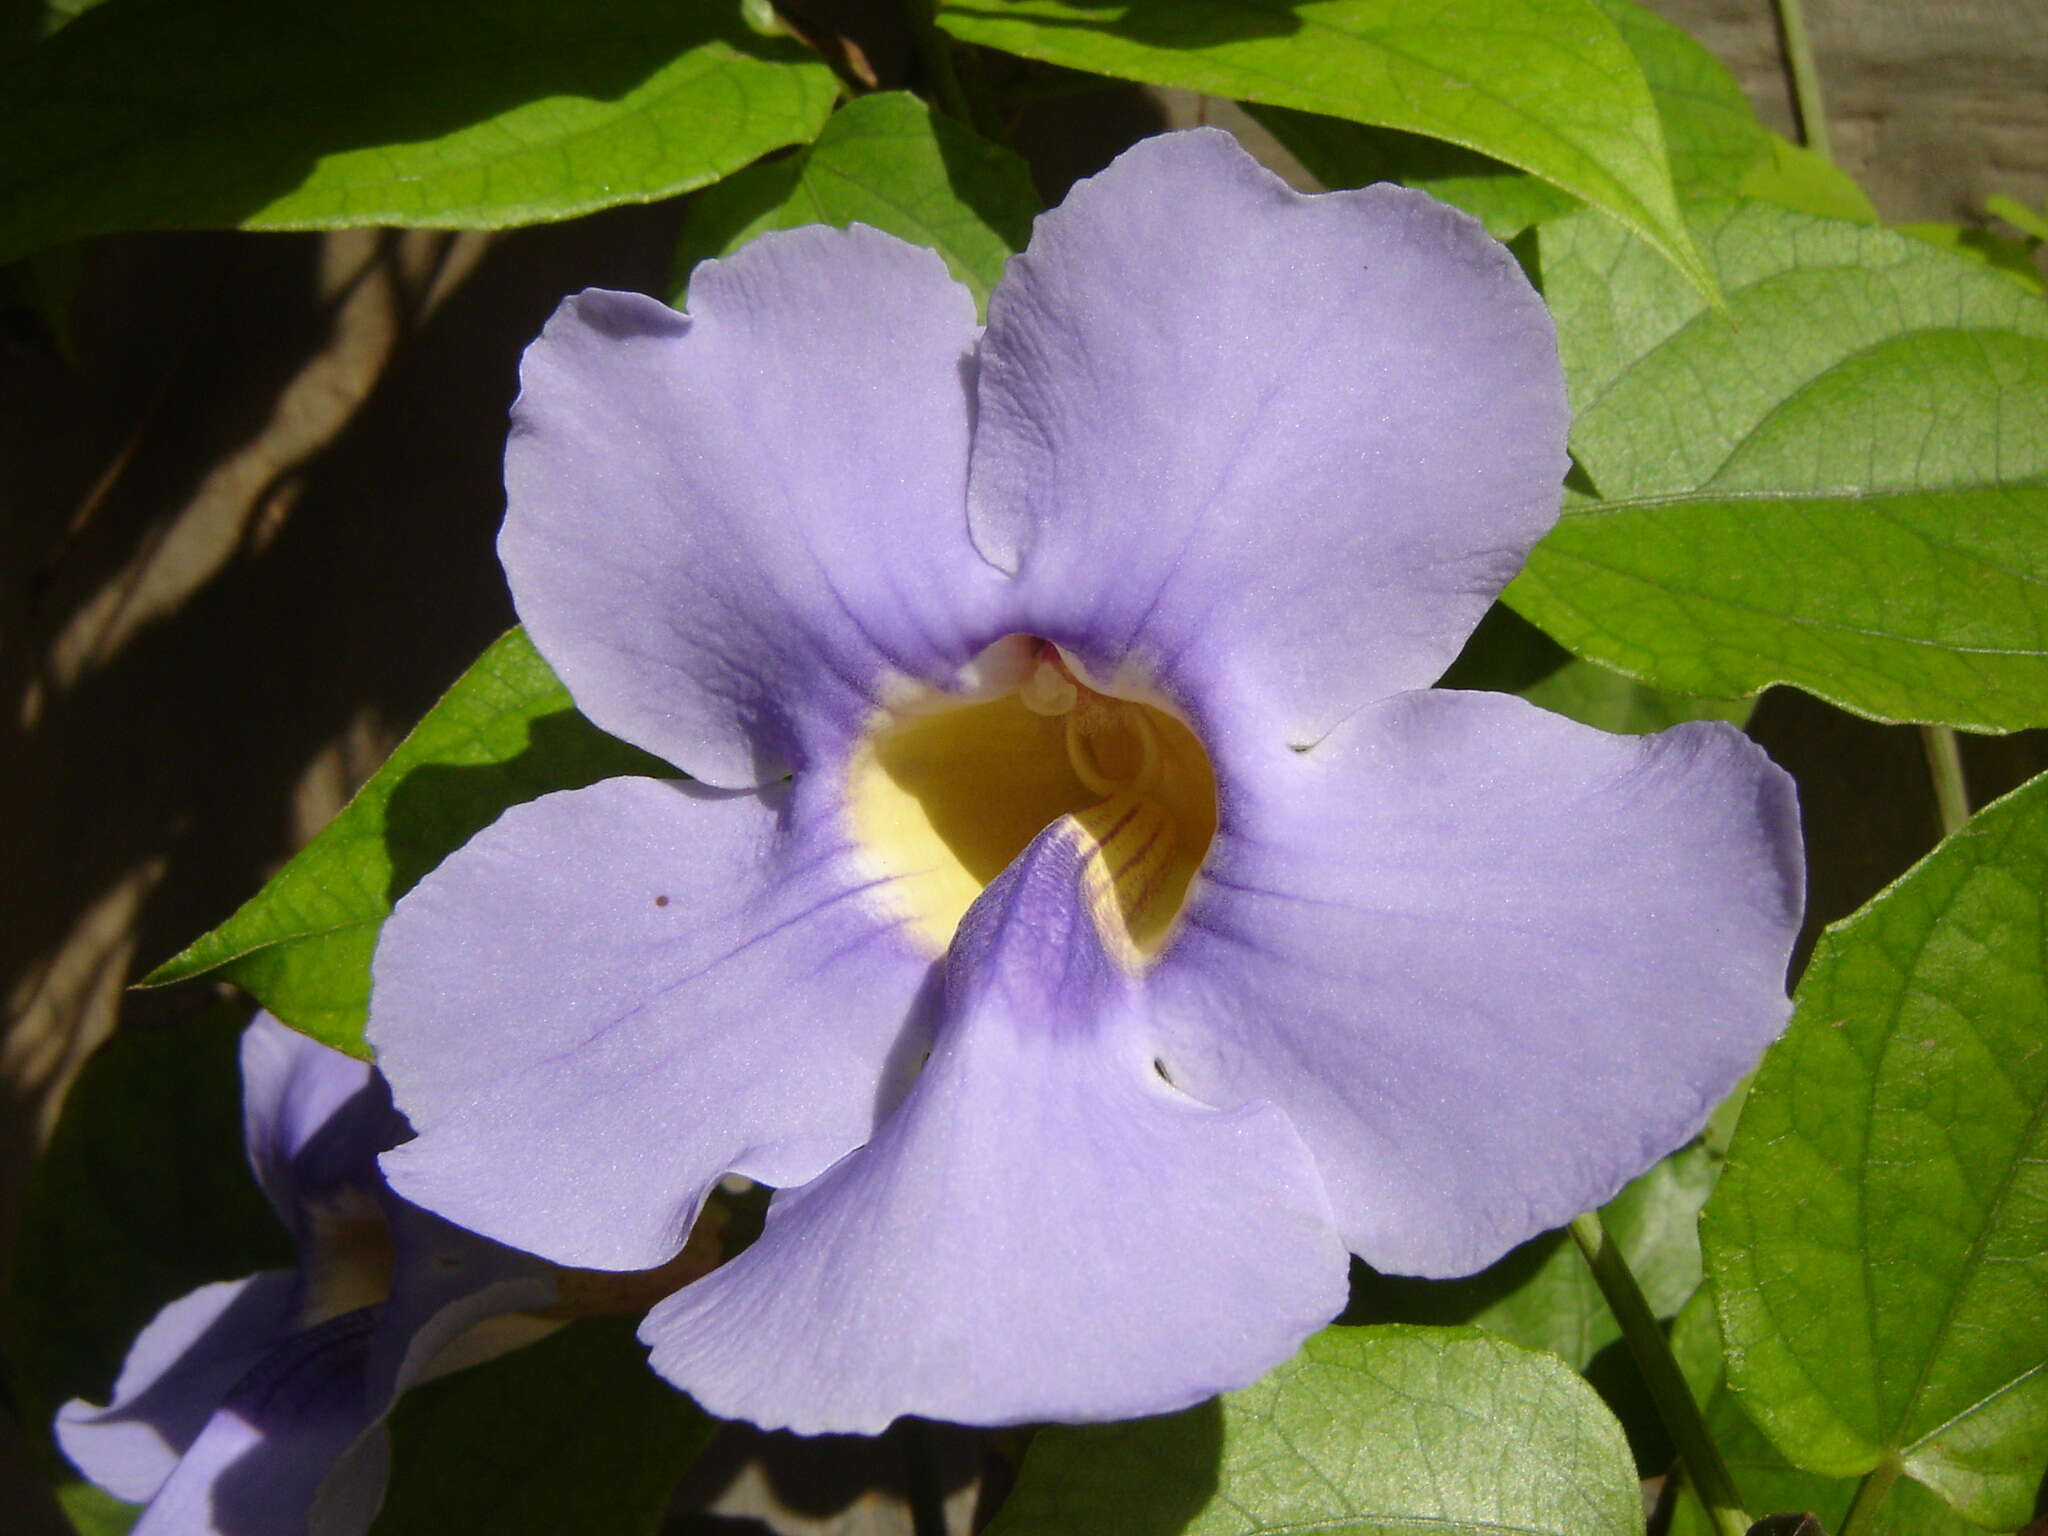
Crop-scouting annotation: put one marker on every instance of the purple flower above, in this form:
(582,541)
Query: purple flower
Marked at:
(254,1407)
(1052,697)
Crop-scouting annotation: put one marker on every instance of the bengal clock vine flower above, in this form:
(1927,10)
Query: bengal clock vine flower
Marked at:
(255,1407)
(1084,913)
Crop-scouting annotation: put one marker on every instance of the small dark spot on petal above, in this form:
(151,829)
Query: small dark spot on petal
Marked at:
(1159,1066)
(661,901)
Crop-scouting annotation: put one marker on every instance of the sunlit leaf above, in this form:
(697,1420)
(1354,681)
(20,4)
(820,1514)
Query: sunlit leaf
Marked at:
(1845,488)
(2008,258)
(1545,85)
(298,115)
(1709,130)
(885,160)
(1795,177)
(2018,215)
(1879,1240)
(505,733)
(1366,1431)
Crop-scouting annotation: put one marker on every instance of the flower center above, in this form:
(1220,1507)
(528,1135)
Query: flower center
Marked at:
(943,794)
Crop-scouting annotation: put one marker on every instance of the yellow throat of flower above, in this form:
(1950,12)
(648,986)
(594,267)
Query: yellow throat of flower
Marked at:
(942,796)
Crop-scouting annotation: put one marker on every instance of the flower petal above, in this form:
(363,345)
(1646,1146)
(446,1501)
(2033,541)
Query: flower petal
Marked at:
(1275,452)
(613,996)
(178,1371)
(259,1466)
(1043,1230)
(727,531)
(313,1120)
(1490,962)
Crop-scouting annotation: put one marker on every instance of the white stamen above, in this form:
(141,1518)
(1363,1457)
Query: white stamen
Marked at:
(1048,691)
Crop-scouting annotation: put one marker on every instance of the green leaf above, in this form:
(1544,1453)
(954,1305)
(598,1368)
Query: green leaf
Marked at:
(1508,654)
(1367,1430)
(889,161)
(1346,154)
(2018,215)
(1591,694)
(1542,1295)
(1709,129)
(1768,1483)
(1795,177)
(95,1512)
(301,115)
(1546,85)
(1711,132)
(505,733)
(1845,489)
(571,1434)
(143,1195)
(2008,258)
(1879,1240)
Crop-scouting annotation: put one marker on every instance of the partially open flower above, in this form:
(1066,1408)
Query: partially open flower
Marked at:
(1078,911)
(254,1407)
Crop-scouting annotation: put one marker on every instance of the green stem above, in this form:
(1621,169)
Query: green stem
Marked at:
(1813,112)
(1945,764)
(1668,1390)
(1877,1482)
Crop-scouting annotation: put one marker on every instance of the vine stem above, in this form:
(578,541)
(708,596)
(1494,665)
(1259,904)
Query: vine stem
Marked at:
(1877,1482)
(1813,112)
(1675,1403)
(1944,760)
(1945,765)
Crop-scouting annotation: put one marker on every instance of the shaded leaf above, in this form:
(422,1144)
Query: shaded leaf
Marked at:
(1508,654)
(1367,1430)
(889,161)
(1545,85)
(571,1434)
(506,732)
(1879,1240)
(1347,154)
(1845,489)
(1542,1295)
(298,115)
